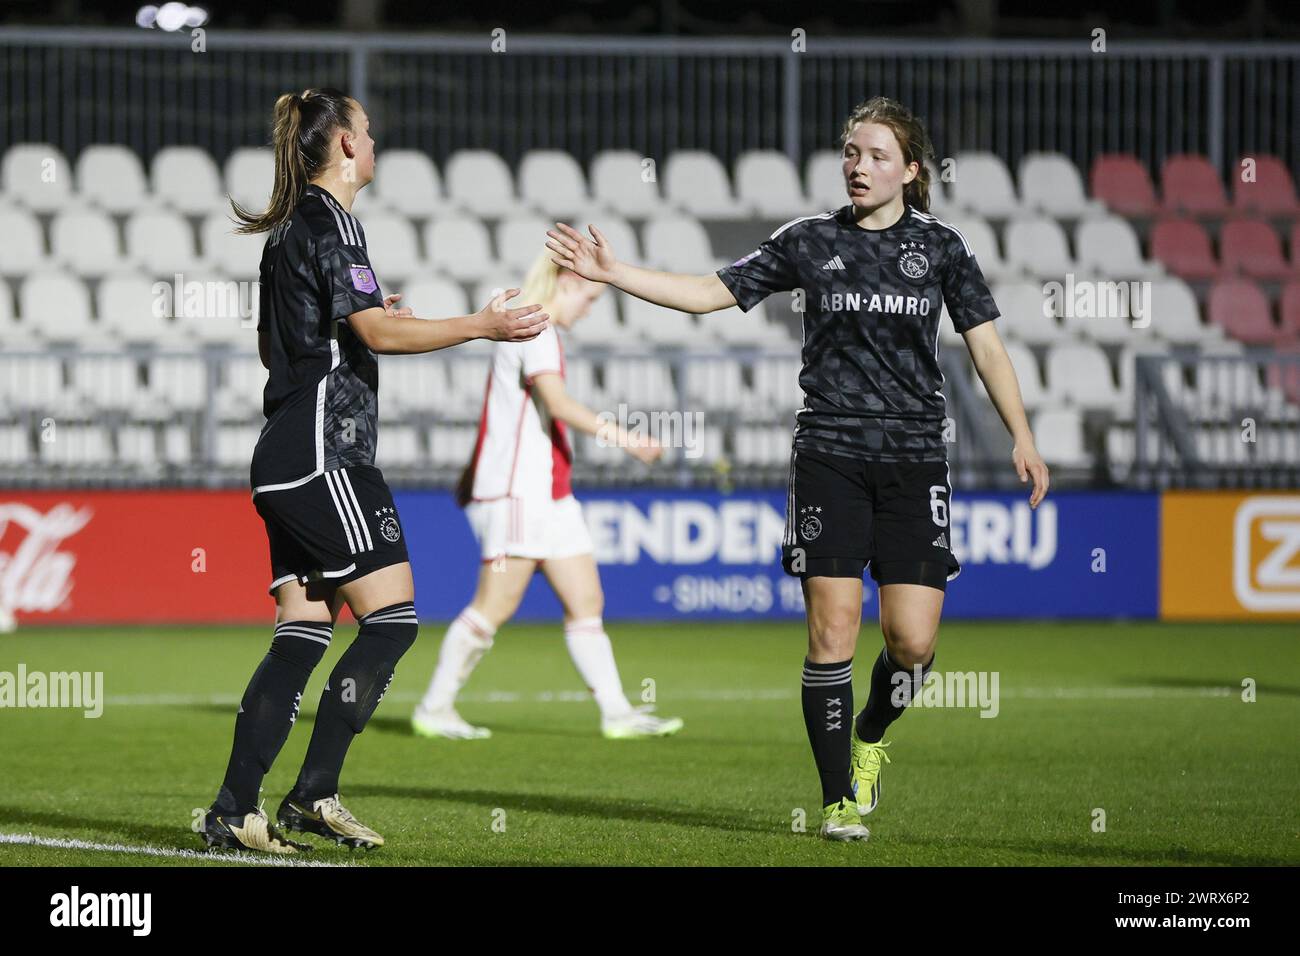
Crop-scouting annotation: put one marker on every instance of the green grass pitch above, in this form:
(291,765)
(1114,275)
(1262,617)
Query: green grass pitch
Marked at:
(1143,721)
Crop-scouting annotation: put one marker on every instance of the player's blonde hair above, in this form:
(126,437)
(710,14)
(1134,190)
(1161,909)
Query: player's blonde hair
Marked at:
(912,138)
(303,126)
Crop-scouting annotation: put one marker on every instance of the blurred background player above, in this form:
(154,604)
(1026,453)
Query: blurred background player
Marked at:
(868,471)
(335,536)
(517,497)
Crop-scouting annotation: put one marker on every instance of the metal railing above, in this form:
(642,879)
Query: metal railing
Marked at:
(441,93)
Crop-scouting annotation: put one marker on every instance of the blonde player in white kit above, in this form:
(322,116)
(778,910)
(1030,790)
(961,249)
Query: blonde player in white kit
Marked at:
(519,503)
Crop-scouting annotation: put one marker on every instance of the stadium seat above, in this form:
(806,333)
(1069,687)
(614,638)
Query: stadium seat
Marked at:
(580,380)
(1183,246)
(77,446)
(85,241)
(451,445)
(1032,391)
(696,183)
(212,309)
(235,444)
(1121,313)
(137,445)
(131,311)
(479,182)
(467,378)
(1050,184)
(1253,248)
(58,306)
(37,176)
(752,329)
(983,186)
(1122,183)
(520,240)
(1058,433)
(627,183)
(106,382)
(1225,388)
(177,445)
(551,181)
(824,180)
(414,384)
(656,324)
(239,396)
(399,446)
(460,247)
(393,247)
(1175,316)
(406,181)
(766,445)
(250,176)
(618,232)
(24,245)
(602,326)
(768,183)
(1108,246)
(714,383)
(186,178)
(1190,185)
(1038,247)
(1079,375)
(677,244)
(233,253)
(435,297)
(30,382)
(175,383)
(644,384)
(1289,310)
(112,178)
(1270,193)
(160,242)
(15,445)
(1024,307)
(1241,309)
(1170,374)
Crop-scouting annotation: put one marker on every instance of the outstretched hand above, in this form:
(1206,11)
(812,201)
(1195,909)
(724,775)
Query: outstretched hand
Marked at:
(592,258)
(500,324)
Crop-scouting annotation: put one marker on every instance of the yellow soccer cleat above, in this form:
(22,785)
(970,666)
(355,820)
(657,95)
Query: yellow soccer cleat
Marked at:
(867,761)
(841,821)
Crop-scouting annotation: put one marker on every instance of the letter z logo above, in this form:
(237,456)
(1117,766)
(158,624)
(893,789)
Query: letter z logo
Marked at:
(1270,582)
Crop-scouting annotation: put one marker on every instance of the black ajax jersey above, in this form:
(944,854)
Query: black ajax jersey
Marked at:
(320,401)
(872,304)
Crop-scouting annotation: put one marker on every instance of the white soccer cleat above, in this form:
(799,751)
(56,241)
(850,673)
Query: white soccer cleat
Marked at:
(446,723)
(639,723)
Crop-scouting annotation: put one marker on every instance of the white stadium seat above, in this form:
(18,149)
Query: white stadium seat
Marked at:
(137,445)
(762,445)
(768,183)
(37,176)
(627,183)
(1079,375)
(235,254)
(30,382)
(406,181)
(15,446)
(479,182)
(459,246)
(161,243)
(602,326)
(250,176)
(77,446)
(1022,306)
(413,383)
(393,247)
(1058,433)
(982,185)
(176,383)
(1109,247)
(983,244)
(132,311)
(696,183)
(112,178)
(551,181)
(1038,247)
(85,241)
(1050,184)
(677,244)
(186,178)
(24,246)
(657,324)
(824,180)
(642,383)
(398,446)
(1031,380)
(235,444)
(520,240)
(435,297)
(713,383)
(451,445)
(106,381)
(776,389)
(1175,316)
(58,307)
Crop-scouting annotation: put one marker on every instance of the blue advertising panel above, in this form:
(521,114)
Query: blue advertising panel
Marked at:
(704,554)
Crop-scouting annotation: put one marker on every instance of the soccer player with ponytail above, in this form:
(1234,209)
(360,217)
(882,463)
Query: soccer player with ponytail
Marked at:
(335,537)
(869,484)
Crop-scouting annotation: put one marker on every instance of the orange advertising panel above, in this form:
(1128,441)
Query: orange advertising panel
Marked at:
(105,556)
(1230,555)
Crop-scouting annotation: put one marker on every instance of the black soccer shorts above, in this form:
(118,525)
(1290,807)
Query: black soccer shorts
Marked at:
(843,514)
(335,528)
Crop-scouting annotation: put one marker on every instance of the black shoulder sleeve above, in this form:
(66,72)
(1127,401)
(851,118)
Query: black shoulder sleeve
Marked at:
(965,293)
(347,278)
(769,268)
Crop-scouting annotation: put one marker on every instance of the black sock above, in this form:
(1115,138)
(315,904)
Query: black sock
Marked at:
(355,688)
(881,711)
(828,715)
(268,709)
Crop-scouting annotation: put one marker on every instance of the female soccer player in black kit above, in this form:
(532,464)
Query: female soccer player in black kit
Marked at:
(335,537)
(868,471)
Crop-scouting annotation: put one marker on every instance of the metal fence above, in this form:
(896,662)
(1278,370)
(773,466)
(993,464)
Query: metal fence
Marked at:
(443,93)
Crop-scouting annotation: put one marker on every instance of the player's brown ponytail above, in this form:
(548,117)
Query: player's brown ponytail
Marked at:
(304,125)
(911,135)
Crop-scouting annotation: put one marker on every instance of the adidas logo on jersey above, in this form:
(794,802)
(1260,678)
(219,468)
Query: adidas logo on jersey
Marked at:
(941,541)
(835,263)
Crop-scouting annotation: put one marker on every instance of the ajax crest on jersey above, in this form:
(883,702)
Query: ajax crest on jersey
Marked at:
(388,525)
(912,261)
(810,526)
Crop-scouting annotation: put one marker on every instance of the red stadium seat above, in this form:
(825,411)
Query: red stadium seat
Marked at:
(1291,310)
(1272,192)
(1252,248)
(1119,180)
(1295,245)
(1189,184)
(1184,247)
(1240,308)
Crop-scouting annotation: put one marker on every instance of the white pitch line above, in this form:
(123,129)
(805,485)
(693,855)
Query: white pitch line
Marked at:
(29,839)
(735,694)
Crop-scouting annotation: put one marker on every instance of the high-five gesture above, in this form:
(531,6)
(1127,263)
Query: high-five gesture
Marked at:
(510,325)
(592,258)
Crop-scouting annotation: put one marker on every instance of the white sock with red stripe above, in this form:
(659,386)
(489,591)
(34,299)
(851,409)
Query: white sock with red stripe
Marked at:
(467,640)
(593,655)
